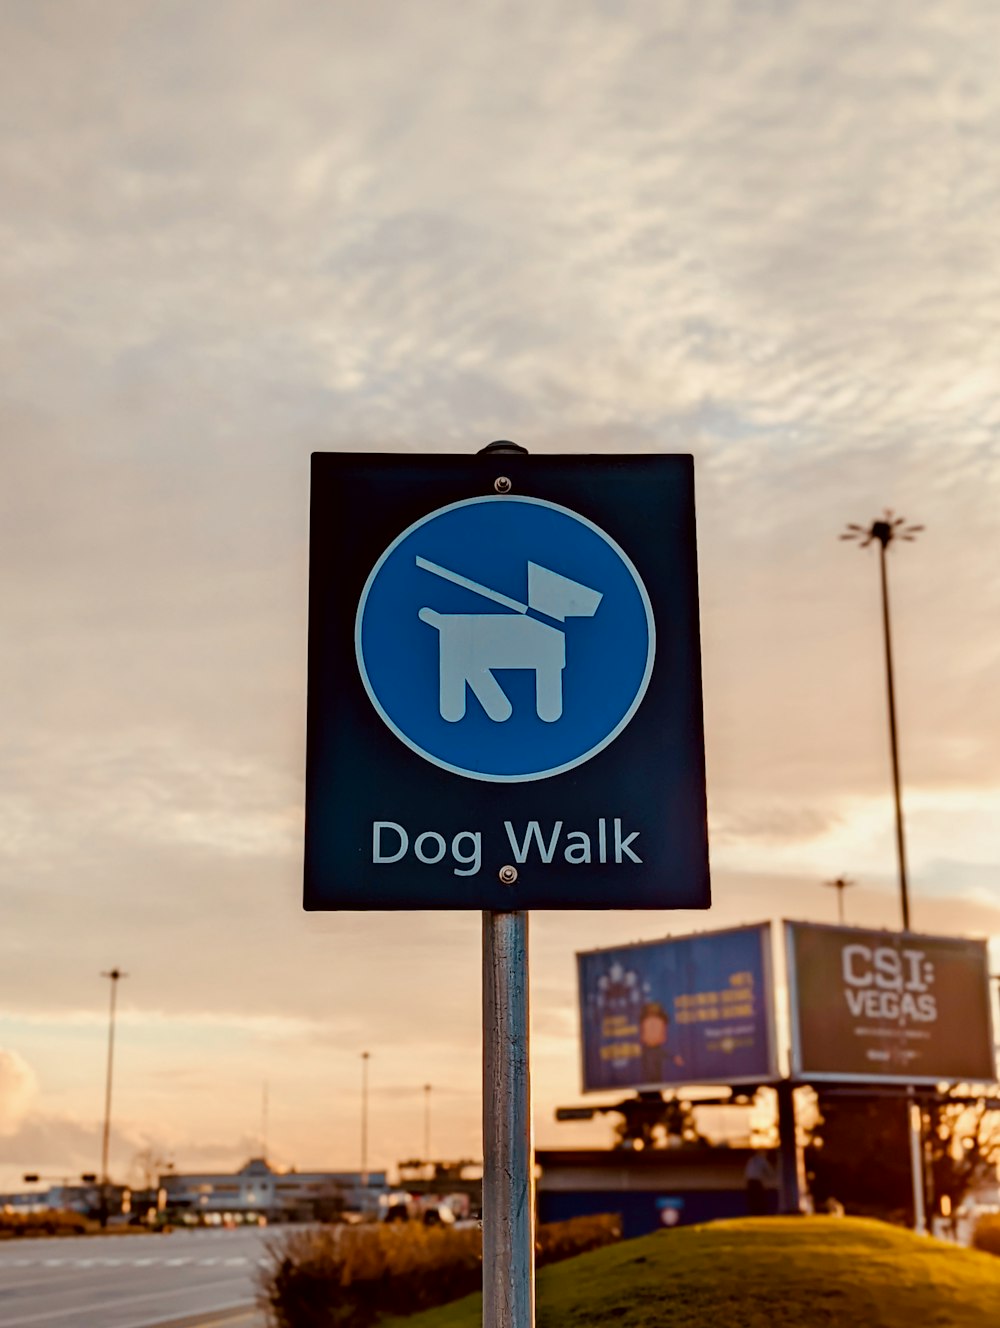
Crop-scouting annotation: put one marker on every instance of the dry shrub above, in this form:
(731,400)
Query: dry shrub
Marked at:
(400,1269)
(346,1277)
(986,1235)
(55,1223)
(563,1240)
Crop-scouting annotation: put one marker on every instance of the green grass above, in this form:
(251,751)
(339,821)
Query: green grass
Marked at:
(761,1273)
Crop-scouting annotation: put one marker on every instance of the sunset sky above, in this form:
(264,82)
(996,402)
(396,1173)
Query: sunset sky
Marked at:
(237,232)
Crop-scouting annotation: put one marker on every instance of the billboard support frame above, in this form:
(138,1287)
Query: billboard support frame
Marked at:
(788,1147)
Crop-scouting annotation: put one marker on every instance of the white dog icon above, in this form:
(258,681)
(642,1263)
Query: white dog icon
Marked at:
(472,645)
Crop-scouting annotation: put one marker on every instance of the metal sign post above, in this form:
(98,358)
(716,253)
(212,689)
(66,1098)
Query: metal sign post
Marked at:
(482,632)
(508,1151)
(508,1144)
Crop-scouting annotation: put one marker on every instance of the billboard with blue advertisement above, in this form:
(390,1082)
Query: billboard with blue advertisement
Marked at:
(686,1010)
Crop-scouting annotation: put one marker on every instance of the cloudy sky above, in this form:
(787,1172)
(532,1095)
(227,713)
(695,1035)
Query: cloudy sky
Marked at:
(236,232)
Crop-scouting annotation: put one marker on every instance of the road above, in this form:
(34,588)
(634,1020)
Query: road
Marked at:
(130,1281)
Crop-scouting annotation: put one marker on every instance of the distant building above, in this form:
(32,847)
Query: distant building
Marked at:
(86,1199)
(654,1188)
(65,1197)
(25,1201)
(258,1189)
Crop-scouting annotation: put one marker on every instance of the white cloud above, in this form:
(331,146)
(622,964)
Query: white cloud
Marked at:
(18,1089)
(862,833)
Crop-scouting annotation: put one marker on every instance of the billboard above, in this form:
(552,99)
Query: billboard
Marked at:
(876,1005)
(685,1010)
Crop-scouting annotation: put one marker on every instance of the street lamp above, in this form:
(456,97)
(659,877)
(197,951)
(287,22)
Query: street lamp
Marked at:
(115,976)
(427,1123)
(365,1057)
(840,885)
(885,531)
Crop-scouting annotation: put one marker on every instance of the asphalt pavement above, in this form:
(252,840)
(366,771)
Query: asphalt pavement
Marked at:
(186,1277)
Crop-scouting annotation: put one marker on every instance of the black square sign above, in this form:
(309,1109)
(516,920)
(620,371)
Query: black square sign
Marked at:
(504,684)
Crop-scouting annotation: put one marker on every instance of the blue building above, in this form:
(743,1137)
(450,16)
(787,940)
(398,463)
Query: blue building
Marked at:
(651,1189)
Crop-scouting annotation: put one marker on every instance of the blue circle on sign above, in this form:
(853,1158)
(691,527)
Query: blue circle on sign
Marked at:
(505,639)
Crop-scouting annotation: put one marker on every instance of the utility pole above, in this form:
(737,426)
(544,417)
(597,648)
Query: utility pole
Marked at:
(840,885)
(115,975)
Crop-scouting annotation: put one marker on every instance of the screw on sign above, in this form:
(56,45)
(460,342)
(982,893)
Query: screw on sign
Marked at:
(483,634)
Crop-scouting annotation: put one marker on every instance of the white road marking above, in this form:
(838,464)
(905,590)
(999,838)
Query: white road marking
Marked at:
(147,1262)
(208,1311)
(44,1315)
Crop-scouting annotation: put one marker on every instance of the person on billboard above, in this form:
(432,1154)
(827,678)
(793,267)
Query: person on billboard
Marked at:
(654,1027)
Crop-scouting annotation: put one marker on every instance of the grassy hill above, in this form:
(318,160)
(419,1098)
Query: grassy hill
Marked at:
(762,1273)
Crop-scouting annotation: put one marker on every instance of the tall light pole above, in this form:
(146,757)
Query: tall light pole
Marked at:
(263,1121)
(840,885)
(115,975)
(365,1057)
(885,531)
(427,1122)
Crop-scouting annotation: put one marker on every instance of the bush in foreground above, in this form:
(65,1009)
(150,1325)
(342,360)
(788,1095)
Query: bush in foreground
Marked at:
(347,1277)
(55,1223)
